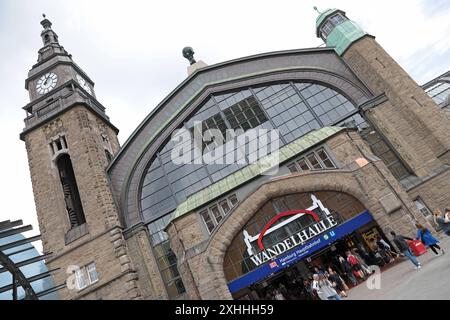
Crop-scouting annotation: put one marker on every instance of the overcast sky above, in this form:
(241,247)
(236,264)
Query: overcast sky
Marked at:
(132,51)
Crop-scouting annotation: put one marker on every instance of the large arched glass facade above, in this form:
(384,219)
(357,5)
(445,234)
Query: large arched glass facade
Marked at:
(293,108)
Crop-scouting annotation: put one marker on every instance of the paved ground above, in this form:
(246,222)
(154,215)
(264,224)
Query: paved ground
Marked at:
(403,282)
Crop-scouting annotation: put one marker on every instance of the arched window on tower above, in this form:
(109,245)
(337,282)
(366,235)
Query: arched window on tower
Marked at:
(107,147)
(46,39)
(70,189)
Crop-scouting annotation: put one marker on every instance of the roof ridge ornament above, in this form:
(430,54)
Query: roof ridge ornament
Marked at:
(188,53)
(315,8)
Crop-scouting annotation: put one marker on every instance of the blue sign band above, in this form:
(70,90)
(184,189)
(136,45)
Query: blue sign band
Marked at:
(301,252)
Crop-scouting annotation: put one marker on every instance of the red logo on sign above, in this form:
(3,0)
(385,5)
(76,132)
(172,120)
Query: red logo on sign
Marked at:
(278,216)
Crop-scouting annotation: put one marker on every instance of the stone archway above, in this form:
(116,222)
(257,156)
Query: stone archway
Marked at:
(213,284)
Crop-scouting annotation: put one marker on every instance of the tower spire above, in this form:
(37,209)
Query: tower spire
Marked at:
(48,35)
(50,41)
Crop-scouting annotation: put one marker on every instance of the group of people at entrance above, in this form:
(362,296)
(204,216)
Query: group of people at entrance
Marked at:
(333,282)
(330,283)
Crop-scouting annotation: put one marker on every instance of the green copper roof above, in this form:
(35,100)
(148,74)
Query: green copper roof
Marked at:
(253,170)
(344,35)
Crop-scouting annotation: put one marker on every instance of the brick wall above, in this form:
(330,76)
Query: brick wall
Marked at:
(104,244)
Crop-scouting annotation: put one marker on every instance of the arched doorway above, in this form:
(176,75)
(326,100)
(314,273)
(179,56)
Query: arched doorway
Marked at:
(280,246)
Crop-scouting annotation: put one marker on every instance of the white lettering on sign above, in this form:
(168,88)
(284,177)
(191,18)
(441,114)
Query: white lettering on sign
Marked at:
(295,240)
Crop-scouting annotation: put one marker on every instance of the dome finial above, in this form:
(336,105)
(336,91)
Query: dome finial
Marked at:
(43,15)
(315,8)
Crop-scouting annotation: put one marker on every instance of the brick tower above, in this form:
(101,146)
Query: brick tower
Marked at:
(407,117)
(69,141)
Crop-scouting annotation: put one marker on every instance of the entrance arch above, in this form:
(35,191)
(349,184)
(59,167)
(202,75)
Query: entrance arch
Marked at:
(213,284)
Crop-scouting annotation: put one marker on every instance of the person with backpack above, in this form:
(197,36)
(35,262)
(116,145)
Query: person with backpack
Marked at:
(425,236)
(402,245)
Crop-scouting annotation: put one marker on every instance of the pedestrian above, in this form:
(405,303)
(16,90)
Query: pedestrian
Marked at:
(356,266)
(319,270)
(386,247)
(447,213)
(347,268)
(424,235)
(400,242)
(283,290)
(362,262)
(443,220)
(337,282)
(324,288)
(278,295)
(307,289)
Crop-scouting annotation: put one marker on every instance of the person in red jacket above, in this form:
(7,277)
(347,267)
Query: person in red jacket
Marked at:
(357,269)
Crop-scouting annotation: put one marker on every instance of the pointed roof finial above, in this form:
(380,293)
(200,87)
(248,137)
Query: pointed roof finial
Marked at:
(46,23)
(315,8)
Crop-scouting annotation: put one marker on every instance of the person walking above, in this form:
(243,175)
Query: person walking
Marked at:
(356,266)
(386,247)
(337,282)
(443,220)
(347,268)
(402,245)
(362,262)
(324,288)
(424,235)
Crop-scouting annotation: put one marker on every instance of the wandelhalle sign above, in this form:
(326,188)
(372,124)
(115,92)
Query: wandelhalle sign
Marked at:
(300,252)
(319,227)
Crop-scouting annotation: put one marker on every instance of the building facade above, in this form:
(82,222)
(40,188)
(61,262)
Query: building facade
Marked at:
(362,150)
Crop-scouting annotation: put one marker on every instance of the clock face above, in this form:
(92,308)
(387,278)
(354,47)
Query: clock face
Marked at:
(46,83)
(83,84)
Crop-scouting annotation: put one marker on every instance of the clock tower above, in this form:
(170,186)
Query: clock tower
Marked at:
(70,141)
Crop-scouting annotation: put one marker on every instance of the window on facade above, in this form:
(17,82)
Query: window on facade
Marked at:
(245,115)
(165,258)
(107,146)
(317,160)
(215,213)
(439,92)
(326,29)
(378,145)
(70,191)
(337,19)
(422,207)
(214,123)
(92,273)
(382,150)
(86,276)
(58,144)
